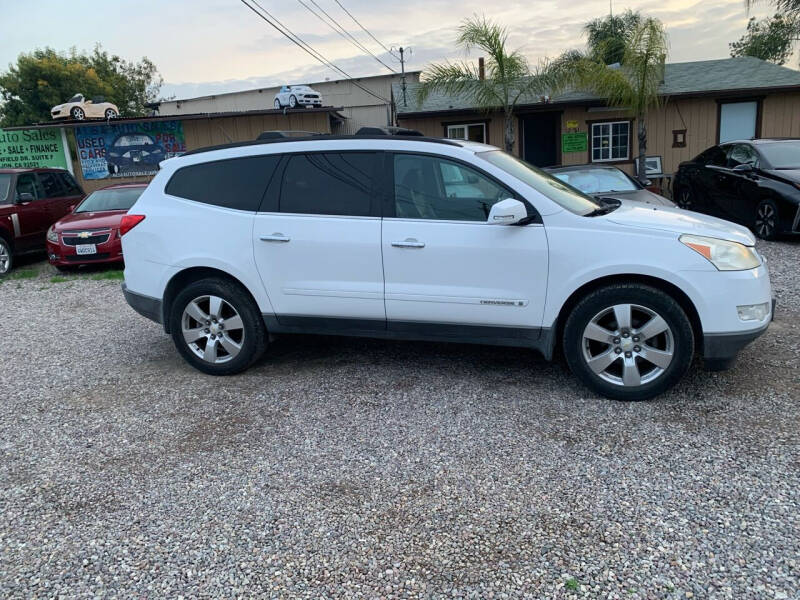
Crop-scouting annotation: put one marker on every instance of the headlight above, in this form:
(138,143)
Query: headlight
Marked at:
(52,236)
(723,254)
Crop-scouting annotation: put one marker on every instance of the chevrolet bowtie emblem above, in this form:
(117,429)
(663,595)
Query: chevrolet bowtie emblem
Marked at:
(83,235)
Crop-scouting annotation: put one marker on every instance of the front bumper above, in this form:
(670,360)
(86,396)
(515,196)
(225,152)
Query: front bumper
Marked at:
(721,349)
(65,255)
(144,305)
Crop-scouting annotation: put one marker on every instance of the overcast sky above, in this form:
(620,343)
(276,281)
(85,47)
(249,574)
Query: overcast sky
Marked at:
(211,46)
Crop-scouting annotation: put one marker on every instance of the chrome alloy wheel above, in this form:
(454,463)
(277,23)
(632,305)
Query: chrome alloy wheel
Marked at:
(213,329)
(5,259)
(628,345)
(765,220)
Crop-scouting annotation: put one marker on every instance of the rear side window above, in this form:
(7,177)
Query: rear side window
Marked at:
(329,183)
(72,188)
(52,185)
(714,156)
(237,183)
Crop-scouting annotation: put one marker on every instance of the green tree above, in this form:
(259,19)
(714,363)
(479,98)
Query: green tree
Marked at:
(769,39)
(43,78)
(508,76)
(633,86)
(607,36)
(788,8)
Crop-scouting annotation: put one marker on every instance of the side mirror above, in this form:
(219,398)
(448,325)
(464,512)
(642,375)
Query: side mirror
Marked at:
(25,197)
(743,168)
(507,212)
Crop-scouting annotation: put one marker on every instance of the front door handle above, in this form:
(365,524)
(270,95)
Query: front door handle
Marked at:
(275,237)
(409,243)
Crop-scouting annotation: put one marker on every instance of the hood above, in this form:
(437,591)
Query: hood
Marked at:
(645,196)
(678,221)
(90,220)
(792,175)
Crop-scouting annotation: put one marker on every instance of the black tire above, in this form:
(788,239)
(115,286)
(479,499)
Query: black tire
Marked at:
(765,220)
(254,341)
(652,299)
(292,101)
(685,197)
(77,113)
(277,104)
(6,258)
(111,113)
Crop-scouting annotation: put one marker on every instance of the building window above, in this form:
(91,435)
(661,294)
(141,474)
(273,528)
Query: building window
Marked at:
(474,132)
(738,121)
(611,141)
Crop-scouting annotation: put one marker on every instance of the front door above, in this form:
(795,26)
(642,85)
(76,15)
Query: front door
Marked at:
(540,135)
(444,265)
(318,250)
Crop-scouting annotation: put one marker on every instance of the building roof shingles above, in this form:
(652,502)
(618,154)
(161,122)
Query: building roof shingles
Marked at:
(699,77)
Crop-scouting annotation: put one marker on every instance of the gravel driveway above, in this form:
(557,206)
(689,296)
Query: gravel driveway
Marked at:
(356,468)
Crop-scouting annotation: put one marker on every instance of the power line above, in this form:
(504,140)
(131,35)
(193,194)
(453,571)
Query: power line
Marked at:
(298,41)
(342,31)
(364,29)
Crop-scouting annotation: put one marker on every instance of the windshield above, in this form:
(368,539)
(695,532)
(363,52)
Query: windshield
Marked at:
(597,181)
(102,200)
(5,183)
(562,194)
(782,155)
(76,98)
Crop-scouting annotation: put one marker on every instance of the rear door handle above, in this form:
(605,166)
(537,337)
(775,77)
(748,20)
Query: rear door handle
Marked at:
(409,243)
(275,237)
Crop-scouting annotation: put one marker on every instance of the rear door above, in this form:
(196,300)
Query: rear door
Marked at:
(317,241)
(742,190)
(55,195)
(711,178)
(446,268)
(31,218)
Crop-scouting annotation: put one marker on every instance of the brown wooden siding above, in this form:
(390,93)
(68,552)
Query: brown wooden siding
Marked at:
(213,131)
(780,117)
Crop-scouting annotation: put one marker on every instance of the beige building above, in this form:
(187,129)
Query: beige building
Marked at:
(370,106)
(704,103)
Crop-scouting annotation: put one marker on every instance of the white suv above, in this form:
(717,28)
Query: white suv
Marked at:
(428,239)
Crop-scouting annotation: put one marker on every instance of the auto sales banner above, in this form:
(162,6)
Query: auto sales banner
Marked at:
(127,149)
(31,148)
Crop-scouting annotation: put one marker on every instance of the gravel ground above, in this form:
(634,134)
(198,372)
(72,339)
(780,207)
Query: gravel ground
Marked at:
(357,468)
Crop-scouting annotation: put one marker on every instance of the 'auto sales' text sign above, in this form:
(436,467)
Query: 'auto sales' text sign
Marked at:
(127,149)
(31,148)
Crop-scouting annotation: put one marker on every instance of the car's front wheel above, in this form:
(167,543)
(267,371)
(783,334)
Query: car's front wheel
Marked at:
(217,327)
(6,258)
(77,113)
(765,224)
(628,342)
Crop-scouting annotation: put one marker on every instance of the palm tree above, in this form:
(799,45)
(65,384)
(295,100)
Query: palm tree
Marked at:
(508,77)
(789,9)
(633,85)
(606,36)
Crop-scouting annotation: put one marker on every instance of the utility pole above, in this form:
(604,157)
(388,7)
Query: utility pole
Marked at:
(403,72)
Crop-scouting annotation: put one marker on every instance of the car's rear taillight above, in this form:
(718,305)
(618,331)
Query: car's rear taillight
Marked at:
(129,222)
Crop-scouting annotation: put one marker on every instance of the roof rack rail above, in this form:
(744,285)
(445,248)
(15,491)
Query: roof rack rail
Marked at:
(389,130)
(289,133)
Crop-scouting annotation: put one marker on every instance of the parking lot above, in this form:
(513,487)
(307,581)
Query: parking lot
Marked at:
(361,468)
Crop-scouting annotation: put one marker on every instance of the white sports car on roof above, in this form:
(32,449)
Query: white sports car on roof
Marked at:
(297,95)
(79,108)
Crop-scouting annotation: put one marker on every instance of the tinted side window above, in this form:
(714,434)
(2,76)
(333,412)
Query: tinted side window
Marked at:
(329,183)
(713,156)
(52,185)
(27,183)
(72,188)
(430,188)
(236,183)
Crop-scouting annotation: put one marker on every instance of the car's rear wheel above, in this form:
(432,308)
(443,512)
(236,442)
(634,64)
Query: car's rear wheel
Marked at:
(628,342)
(277,104)
(111,113)
(77,113)
(292,101)
(6,258)
(217,327)
(765,223)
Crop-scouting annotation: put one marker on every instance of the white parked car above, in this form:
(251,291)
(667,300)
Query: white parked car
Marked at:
(79,108)
(297,95)
(430,239)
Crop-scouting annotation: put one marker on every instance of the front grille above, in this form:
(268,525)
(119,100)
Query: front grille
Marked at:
(86,257)
(92,239)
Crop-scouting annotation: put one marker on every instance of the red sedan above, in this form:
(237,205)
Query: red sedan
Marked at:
(90,233)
